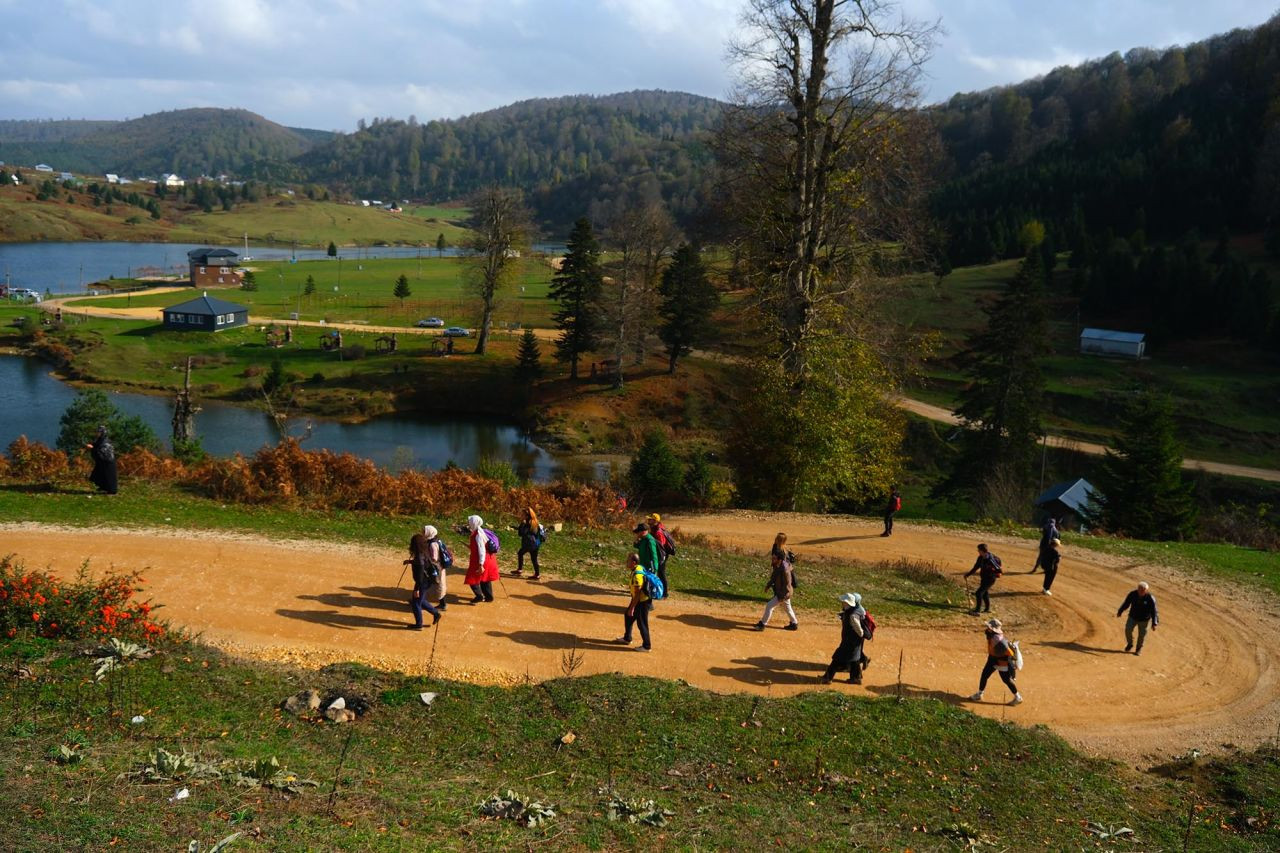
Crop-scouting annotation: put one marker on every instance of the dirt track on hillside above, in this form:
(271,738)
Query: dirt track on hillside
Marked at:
(1207,679)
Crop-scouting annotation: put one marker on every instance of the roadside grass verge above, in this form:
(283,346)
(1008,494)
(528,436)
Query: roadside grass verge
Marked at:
(820,770)
(735,578)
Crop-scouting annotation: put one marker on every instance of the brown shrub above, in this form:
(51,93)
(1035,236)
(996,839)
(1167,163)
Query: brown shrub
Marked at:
(32,461)
(140,462)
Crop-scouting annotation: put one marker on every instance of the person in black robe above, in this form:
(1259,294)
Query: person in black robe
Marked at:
(852,633)
(104,463)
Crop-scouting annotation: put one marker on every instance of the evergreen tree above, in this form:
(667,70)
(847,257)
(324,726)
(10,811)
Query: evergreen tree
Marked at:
(528,357)
(92,409)
(402,291)
(688,298)
(1000,407)
(249,281)
(440,244)
(333,249)
(576,286)
(309,288)
(1140,488)
(656,473)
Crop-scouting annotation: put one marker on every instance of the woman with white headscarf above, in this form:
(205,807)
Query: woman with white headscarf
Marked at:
(427,575)
(482,570)
(852,633)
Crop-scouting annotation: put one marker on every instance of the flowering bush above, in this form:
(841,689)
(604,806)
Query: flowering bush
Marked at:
(37,603)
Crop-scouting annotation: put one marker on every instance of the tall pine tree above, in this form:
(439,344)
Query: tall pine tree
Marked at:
(688,298)
(1001,406)
(576,286)
(528,358)
(1140,488)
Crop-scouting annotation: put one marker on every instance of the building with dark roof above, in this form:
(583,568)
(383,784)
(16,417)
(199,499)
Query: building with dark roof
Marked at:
(205,314)
(1108,342)
(1068,502)
(213,268)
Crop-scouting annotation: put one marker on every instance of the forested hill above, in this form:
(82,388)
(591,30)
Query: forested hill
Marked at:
(572,155)
(1152,141)
(189,142)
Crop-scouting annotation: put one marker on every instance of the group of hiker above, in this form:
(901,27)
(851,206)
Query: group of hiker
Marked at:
(648,582)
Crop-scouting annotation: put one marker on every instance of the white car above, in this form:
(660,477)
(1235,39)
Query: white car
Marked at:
(431,323)
(456,332)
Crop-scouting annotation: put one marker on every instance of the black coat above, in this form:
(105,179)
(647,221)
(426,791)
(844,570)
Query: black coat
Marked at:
(104,474)
(850,648)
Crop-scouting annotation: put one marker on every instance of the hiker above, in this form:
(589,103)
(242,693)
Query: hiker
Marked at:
(1049,560)
(1141,605)
(779,548)
(1048,533)
(890,510)
(637,612)
(441,558)
(782,584)
(989,570)
(848,655)
(426,574)
(646,547)
(532,535)
(999,659)
(103,453)
(482,570)
(666,548)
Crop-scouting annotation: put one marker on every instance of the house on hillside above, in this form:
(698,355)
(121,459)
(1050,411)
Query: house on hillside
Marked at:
(1107,342)
(172,181)
(205,314)
(214,268)
(112,179)
(66,176)
(43,167)
(1068,502)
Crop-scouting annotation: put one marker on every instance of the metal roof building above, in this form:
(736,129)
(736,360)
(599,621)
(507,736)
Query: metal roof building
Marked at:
(1108,342)
(205,314)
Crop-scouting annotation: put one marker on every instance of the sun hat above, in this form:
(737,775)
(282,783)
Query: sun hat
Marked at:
(851,598)
(994,623)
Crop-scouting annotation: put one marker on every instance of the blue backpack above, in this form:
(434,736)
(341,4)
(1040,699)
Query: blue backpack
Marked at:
(653,586)
(493,546)
(446,556)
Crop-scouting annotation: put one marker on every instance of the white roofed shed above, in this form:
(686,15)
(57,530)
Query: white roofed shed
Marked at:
(1108,342)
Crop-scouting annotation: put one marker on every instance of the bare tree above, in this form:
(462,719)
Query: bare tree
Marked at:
(501,228)
(642,234)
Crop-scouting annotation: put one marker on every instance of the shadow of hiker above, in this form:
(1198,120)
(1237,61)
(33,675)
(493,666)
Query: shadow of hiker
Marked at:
(721,595)
(1068,646)
(763,671)
(704,620)
(578,587)
(337,619)
(557,640)
(929,605)
(828,540)
(347,601)
(912,691)
(46,489)
(571,605)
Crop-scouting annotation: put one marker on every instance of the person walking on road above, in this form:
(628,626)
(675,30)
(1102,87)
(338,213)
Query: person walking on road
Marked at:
(1049,559)
(988,569)
(532,535)
(103,453)
(426,575)
(1048,533)
(1141,605)
(666,548)
(782,584)
(482,570)
(890,510)
(848,655)
(1000,658)
(637,612)
(647,549)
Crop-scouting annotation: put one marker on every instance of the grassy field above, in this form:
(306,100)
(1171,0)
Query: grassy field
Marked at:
(315,223)
(817,771)
(361,291)
(1218,387)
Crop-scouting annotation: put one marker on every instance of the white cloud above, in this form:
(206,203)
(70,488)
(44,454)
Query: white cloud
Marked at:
(1016,68)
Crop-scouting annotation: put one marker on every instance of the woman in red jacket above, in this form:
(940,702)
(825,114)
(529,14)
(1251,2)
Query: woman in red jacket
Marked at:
(482,571)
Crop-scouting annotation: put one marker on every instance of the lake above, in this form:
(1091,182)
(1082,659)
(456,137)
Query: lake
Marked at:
(32,400)
(70,267)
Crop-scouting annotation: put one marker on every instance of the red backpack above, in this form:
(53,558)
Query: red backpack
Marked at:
(868,626)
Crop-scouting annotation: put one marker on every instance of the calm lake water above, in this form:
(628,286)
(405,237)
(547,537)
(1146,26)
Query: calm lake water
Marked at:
(69,267)
(32,400)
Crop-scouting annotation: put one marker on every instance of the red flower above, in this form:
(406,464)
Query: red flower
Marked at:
(35,617)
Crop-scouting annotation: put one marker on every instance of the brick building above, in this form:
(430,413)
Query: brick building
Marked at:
(213,268)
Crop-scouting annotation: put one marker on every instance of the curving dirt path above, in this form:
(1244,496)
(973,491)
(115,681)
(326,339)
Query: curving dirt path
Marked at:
(1208,678)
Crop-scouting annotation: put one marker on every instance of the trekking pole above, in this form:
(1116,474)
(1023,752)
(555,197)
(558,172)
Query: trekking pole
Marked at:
(402,571)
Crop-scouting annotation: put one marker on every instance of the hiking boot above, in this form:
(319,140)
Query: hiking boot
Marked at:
(759,626)
(1137,651)
(977,697)
(436,619)
(643,649)
(1128,647)
(623,641)
(1016,700)
(1046,592)
(414,627)
(794,626)
(826,679)
(866,662)
(884,534)
(855,681)
(536,576)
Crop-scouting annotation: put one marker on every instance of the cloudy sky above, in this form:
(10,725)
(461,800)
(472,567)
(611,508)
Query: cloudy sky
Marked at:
(327,63)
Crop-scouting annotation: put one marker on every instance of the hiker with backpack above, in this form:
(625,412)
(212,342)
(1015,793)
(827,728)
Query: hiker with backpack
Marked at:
(427,575)
(532,535)
(1141,605)
(989,570)
(1049,560)
(1048,533)
(647,550)
(890,510)
(637,612)
(1002,657)
(482,570)
(666,547)
(103,453)
(856,627)
(782,583)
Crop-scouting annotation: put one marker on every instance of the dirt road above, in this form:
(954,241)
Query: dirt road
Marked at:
(1208,677)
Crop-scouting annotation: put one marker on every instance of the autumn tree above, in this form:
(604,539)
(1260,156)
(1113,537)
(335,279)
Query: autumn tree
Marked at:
(821,157)
(688,299)
(576,286)
(500,230)
(641,234)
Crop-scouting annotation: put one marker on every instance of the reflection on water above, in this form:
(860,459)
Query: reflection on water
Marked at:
(32,401)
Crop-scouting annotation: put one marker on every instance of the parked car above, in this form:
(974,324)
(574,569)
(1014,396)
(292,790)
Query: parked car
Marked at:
(456,332)
(431,323)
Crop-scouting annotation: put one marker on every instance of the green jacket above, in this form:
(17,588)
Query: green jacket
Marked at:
(647,548)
